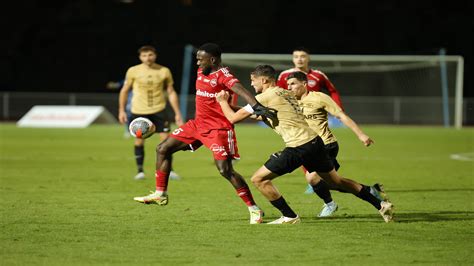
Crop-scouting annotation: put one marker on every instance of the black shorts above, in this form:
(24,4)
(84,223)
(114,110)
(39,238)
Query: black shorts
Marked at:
(311,155)
(160,120)
(332,150)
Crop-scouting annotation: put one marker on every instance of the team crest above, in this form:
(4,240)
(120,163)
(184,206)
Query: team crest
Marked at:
(213,82)
(311,83)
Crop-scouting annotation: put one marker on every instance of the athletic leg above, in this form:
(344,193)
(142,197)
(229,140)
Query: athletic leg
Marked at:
(321,188)
(139,151)
(164,153)
(173,174)
(243,191)
(163,163)
(238,182)
(262,179)
(361,191)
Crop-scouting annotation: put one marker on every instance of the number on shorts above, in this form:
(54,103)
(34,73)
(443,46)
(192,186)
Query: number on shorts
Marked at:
(177,131)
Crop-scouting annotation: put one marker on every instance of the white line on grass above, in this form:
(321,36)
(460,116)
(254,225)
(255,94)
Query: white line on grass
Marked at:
(463,156)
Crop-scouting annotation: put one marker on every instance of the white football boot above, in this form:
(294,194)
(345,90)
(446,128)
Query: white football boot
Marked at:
(256,216)
(156,197)
(286,220)
(328,209)
(386,211)
(139,176)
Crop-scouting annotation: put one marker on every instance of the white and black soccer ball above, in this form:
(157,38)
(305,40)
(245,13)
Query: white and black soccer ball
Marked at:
(141,128)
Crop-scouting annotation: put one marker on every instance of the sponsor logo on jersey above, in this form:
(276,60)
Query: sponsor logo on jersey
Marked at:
(205,94)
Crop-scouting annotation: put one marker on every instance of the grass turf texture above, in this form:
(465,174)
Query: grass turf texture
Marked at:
(66,198)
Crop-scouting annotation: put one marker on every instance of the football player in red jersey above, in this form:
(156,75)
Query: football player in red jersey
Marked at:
(317,80)
(210,128)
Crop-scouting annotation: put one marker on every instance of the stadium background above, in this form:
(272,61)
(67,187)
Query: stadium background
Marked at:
(80,46)
(66,194)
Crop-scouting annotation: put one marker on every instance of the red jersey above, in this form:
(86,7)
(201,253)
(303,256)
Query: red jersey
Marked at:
(209,114)
(317,80)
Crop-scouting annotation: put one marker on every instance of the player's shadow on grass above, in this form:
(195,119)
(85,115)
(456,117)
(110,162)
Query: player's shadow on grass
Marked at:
(431,190)
(401,217)
(441,216)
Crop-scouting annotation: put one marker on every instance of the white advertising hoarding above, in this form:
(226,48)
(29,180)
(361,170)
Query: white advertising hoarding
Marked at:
(67,116)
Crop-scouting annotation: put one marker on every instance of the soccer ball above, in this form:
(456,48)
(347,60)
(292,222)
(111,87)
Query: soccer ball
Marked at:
(141,128)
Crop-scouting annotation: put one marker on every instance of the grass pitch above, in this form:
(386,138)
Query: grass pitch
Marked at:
(66,199)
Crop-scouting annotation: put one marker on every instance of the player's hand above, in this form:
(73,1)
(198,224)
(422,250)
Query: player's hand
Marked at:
(178,119)
(268,115)
(260,110)
(366,140)
(122,117)
(222,96)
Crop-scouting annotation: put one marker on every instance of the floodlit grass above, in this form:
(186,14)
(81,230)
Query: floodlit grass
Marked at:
(66,199)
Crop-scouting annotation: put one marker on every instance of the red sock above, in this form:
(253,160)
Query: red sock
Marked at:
(245,194)
(161,180)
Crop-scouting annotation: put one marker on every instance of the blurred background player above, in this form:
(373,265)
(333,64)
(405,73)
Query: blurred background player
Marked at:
(316,106)
(209,128)
(149,82)
(303,147)
(317,80)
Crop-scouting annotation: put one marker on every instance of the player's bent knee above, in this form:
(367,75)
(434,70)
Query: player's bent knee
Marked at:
(224,170)
(224,173)
(162,148)
(331,179)
(256,180)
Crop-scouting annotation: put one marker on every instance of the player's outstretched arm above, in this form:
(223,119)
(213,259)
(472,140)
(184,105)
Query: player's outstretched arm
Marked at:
(366,140)
(244,93)
(259,110)
(231,115)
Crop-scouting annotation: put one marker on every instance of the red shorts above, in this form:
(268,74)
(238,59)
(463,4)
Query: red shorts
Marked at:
(222,142)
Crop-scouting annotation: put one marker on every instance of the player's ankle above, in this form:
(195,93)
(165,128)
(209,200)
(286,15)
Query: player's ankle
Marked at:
(253,208)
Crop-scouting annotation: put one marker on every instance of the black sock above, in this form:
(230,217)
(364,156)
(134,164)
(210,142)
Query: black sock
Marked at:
(322,190)
(139,157)
(283,207)
(342,190)
(365,195)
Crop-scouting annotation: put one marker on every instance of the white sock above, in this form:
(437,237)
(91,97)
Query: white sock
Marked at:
(161,193)
(254,208)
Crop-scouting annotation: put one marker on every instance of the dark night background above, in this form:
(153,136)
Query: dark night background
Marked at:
(81,45)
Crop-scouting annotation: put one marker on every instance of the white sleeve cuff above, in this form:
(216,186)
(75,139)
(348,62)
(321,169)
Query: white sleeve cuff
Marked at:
(248,108)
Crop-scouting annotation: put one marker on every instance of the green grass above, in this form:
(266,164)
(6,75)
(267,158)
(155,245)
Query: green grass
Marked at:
(66,199)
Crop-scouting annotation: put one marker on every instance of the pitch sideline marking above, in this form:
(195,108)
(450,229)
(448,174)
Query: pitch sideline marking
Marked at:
(469,156)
